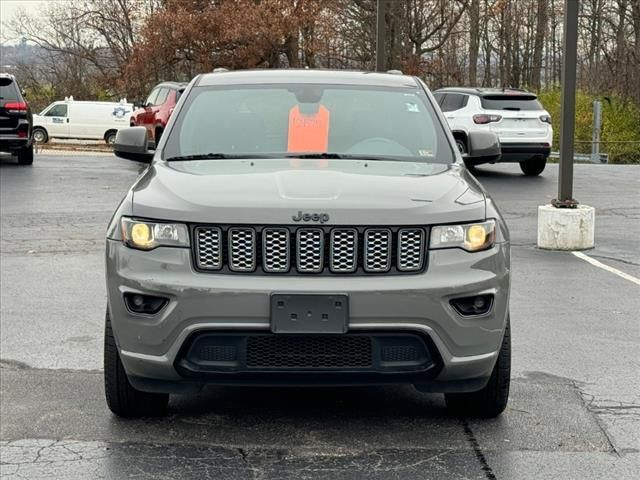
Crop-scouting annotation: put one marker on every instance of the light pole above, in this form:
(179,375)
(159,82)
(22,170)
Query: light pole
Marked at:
(568,109)
(565,224)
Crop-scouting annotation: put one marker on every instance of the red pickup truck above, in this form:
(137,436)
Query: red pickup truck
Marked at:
(157,108)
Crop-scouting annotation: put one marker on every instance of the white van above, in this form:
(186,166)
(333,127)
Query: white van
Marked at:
(80,119)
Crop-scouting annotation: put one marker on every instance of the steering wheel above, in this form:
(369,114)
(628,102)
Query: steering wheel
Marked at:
(379,146)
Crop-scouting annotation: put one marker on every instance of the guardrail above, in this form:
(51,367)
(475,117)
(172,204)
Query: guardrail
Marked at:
(586,157)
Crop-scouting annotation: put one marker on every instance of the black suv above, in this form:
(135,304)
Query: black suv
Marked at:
(16,121)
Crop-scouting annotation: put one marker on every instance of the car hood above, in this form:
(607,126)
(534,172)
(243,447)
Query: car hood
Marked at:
(350,192)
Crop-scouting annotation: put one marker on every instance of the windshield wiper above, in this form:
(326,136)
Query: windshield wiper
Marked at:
(304,156)
(216,156)
(321,156)
(345,156)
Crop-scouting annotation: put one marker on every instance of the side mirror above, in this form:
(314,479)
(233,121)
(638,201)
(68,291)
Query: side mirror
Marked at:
(23,93)
(131,143)
(484,146)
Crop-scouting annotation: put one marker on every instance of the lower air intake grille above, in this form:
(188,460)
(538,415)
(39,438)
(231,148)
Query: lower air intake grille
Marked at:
(400,353)
(309,352)
(218,353)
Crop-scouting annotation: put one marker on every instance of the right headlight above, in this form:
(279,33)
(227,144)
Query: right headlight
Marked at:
(145,235)
(471,237)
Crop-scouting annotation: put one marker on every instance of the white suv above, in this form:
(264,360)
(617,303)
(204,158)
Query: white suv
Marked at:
(516,116)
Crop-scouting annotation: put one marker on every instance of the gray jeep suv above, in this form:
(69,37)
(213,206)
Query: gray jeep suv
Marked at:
(306,228)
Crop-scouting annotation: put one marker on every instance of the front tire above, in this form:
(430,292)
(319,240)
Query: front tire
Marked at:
(25,155)
(533,167)
(110,137)
(122,398)
(40,135)
(492,399)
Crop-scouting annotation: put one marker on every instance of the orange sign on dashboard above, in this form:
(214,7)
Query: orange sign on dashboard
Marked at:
(308,132)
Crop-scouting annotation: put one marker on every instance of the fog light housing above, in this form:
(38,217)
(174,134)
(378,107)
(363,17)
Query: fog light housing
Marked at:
(473,306)
(146,304)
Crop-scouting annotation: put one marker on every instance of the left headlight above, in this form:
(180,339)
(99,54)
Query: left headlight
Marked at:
(471,237)
(149,235)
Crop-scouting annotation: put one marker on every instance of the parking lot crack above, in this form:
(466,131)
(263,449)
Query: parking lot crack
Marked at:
(588,405)
(475,445)
(256,473)
(8,364)
(243,455)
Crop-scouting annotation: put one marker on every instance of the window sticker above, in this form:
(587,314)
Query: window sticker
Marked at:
(308,132)
(425,153)
(412,107)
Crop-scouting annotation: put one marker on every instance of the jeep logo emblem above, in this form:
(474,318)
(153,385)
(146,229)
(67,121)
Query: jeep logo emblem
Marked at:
(311,217)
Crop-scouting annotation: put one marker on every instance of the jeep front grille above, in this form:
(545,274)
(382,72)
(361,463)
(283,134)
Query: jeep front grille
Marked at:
(410,255)
(310,256)
(377,250)
(242,249)
(275,250)
(209,244)
(343,257)
(310,250)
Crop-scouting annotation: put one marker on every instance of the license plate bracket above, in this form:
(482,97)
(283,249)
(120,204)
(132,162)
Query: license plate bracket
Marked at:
(309,313)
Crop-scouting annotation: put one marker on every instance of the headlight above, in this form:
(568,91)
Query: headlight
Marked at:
(149,235)
(470,237)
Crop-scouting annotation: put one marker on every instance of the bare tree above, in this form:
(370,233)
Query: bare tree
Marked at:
(474,40)
(113,46)
(538,46)
(91,40)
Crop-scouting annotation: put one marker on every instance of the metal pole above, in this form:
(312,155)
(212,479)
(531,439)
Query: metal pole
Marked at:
(568,109)
(595,135)
(381,35)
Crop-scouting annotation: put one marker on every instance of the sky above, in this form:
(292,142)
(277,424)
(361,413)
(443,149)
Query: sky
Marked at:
(8,8)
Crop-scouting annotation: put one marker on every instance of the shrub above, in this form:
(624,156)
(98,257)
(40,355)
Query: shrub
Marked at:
(620,131)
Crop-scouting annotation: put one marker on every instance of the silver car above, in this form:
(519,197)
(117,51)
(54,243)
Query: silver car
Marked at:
(306,228)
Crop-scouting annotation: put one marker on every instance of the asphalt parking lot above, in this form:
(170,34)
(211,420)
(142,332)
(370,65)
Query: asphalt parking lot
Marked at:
(574,412)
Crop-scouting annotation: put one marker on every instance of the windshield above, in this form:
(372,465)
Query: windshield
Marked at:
(330,121)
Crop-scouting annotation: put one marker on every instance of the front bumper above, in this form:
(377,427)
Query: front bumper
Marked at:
(463,349)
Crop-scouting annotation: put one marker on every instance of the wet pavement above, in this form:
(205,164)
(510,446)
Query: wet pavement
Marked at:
(574,410)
